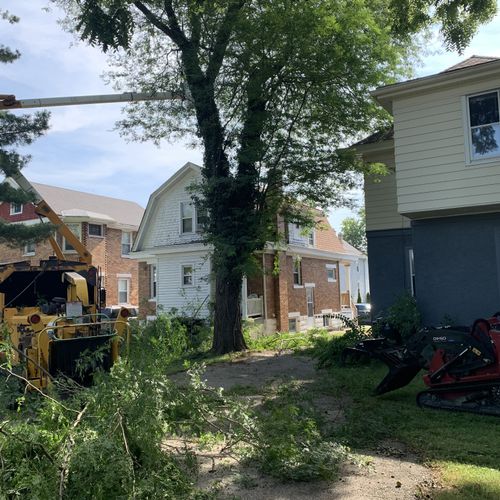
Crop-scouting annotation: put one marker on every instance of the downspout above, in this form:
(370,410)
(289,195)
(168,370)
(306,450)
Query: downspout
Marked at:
(264,284)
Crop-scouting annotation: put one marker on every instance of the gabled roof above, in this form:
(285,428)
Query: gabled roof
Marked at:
(471,61)
(468,70)
(150,208)
(71,203)
(351,249)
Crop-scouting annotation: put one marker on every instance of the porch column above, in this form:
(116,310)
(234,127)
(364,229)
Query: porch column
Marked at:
(244,297)
(282,294)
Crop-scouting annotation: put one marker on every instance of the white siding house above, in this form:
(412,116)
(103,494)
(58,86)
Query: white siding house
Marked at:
(169,238)
(433,227)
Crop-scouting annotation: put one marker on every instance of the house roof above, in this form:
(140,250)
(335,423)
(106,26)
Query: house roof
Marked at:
(351,249)
(382,135)
(327,238)
(383,94)
(71,203)
(471,61)
(150,208)
(466,70)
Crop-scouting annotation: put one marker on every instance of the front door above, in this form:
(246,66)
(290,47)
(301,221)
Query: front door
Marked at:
(310,301)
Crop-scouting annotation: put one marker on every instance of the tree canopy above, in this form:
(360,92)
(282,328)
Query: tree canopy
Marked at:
(272,90)
(17,131)
(354,230)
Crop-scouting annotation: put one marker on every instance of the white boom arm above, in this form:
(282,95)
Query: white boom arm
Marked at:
(10,102)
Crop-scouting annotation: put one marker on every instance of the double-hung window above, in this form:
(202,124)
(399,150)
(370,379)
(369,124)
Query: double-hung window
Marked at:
(297,272)
(16,208)
(29,248)
(76,229)
(123,291)
(153,281)
(126,242)
(331,272)
(187,216)
(484,125)
(187,275)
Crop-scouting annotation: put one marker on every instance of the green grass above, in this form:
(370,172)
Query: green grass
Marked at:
(464,447)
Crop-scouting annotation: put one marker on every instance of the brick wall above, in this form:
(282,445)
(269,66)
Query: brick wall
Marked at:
(326,294)
(116,265)
(106,254)
(28,213)
(147,307)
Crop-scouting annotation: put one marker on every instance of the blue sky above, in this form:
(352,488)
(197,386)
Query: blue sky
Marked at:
(82,151)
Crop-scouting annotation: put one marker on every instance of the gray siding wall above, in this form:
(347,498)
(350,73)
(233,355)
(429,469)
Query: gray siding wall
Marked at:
(457,262)
(388,266)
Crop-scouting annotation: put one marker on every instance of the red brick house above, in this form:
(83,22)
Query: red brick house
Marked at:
(107,227)
(306,288)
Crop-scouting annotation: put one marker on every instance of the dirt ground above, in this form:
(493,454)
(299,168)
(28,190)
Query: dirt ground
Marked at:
(389,472)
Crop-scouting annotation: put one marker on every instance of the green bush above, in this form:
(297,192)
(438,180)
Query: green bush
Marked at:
(404,316)
(294,448)
(328,350)
(108,441)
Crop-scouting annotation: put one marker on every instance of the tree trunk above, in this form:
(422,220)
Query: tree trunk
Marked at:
(228,334)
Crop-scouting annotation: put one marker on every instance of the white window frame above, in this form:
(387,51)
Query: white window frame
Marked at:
(297,272)
(130,243)
(181,218)
(153,282)
(411,268)
(184,274)
(468,130)
(79,236)
(334,268)
(95,235)
(127,281)
(13,205)
(26,249)
(312,238)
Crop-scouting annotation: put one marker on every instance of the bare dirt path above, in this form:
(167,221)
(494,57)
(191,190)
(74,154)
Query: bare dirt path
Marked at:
(390,472)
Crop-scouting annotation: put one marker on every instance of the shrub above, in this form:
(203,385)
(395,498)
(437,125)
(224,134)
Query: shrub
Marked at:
(294,448)
(328,351)
(404,316)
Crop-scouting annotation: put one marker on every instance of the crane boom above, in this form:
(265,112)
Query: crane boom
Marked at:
(10,102)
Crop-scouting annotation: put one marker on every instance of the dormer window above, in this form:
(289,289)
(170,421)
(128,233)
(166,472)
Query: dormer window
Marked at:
(484,123)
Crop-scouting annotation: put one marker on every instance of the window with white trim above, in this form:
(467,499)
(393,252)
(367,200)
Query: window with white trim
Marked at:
(29,248)
(187,275)
(484,125)
(411,266)
(126,242)
(76,229)
(311,238)
(96,230)
(123,291)
(16,208)
(331,272)
(152,281)
(187,216)
(297,272)
(201,219)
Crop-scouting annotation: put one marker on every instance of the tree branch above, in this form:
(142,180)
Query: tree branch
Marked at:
(222,40)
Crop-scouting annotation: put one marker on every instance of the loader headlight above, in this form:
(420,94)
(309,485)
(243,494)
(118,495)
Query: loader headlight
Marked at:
(34,319)
(124,313)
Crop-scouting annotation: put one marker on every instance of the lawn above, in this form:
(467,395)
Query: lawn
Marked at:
(465,448)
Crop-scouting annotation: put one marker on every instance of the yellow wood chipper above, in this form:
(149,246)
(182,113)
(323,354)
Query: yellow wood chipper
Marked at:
(50,312)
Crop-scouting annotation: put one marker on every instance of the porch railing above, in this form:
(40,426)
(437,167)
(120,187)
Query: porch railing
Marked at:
(255,307)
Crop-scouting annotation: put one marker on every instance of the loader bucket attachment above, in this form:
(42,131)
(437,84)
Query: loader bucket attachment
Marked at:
(401,372)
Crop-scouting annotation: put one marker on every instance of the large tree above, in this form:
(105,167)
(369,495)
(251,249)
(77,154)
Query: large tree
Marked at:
(273,89)
(354,230)
(17,131)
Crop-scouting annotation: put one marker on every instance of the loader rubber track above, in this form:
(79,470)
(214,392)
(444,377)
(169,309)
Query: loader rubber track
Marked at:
(482,398)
